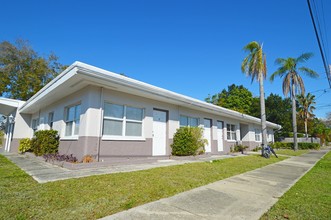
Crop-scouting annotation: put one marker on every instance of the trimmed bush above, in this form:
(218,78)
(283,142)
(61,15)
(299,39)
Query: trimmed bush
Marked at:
(188,141)
(310,146)
(25,145)
(239,148)
(301,146)
(45,142)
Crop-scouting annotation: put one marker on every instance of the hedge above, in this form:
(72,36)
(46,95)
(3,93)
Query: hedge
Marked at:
(301,146)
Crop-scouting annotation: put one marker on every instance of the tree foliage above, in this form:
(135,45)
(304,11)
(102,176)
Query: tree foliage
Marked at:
(293,83)
(24,72)
(306,108)
(237,98)
(254,65)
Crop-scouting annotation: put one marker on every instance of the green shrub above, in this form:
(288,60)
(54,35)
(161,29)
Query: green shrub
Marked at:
(45,142)
(25,145)
(1,137)
(188,141)
(310,146)
(301,146)
(238,148)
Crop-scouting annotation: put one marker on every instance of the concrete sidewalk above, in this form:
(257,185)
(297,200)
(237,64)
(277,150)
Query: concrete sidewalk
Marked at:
(44,172)
(245,196)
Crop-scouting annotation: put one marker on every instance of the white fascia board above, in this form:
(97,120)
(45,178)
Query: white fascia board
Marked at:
(64,76)
(89,70)
(10,102)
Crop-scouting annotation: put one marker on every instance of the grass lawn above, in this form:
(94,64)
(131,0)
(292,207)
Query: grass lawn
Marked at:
(290,152)
(309,198)
(98,196)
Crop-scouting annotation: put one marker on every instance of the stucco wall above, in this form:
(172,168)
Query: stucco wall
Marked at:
(92,100)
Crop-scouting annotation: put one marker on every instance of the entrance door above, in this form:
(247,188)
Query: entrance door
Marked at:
(159,132)
(219,135)
(207,133)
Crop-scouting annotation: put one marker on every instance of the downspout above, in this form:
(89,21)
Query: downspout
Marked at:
(7,133)
(101,123)
(10,135)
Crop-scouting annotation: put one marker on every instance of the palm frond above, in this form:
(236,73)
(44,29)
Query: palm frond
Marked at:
(280,61)
(287,85)
(309,72)
(299,84)
(304,57)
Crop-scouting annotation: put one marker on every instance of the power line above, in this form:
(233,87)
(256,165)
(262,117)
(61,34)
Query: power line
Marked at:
(324,58)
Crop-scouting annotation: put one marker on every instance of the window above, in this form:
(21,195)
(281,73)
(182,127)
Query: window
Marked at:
(231,132)
(35,124)
(50,119)
(72,120)
(121,120)
(269,136)
(257,135)
(188,121)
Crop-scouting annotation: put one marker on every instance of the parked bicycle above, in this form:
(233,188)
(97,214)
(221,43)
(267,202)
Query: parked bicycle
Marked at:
(267,151)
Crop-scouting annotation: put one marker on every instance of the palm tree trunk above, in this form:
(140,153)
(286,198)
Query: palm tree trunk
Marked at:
(306,127)
(263,115)
(294,119)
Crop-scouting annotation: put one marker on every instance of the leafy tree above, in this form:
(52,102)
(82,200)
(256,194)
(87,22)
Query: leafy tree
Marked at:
(237,98)
(293,82)
(255,66)
(306,108)
(23,72)
(278,111)
(322,131)
(214,99)
(255,109)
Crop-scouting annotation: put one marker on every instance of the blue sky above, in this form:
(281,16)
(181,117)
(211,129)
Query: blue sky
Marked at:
(187,46)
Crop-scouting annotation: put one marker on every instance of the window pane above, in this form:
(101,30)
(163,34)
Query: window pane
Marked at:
(228,127)
(207,123)
(183,121)
(234,136)
(77,112)
(112,127)
(71,113)
(68,128)
(134,113)
(193,122)
(233,128)
(228,135)
(133,129)
(50,117)
(115,111)
(76,131)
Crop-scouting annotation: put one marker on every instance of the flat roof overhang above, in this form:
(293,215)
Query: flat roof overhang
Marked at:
(7,106)
(80,75)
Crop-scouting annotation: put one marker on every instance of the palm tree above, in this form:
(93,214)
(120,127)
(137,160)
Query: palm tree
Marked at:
(293,82)
(255,66)
(306,108)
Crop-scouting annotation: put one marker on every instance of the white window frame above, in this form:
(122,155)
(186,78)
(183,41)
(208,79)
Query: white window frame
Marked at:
(258,135)
(231,133)
(74,121)
(269,136)
(189,120)
(50,120)
(35,124)
(124,120)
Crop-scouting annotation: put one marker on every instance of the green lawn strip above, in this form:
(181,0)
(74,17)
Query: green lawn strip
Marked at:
(98,196)
(290,152)
(309,198)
